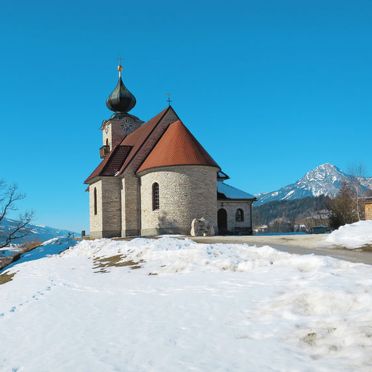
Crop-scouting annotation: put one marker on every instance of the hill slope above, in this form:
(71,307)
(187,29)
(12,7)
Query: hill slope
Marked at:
(310,211)
(173,305)
(37,233)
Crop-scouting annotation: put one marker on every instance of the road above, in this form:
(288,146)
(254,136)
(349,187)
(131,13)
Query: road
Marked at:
(299,244)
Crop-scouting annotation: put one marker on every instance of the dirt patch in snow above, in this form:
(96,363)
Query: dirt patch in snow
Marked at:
(367,248)
(118,260)
(5,278)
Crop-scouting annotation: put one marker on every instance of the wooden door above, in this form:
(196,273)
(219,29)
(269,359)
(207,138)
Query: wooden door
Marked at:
(222,221)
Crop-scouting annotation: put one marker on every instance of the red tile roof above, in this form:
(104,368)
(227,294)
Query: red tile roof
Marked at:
(121,155)
(111,164)
(116,160)
(137,138)
(177,146)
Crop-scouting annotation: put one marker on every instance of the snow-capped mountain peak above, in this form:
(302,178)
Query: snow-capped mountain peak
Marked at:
(326,179)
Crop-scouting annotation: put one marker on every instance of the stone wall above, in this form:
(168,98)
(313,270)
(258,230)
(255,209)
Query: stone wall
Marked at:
(368,211)
(115,129)
(233,226)
(107,222)
(131,205)
(185,193)
(95,219)
(107,134)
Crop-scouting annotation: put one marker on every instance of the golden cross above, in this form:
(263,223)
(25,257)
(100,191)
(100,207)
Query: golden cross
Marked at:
(120,67)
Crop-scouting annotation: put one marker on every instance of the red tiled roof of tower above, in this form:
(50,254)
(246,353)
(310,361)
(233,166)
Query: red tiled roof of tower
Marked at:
(177,146)
(121,155)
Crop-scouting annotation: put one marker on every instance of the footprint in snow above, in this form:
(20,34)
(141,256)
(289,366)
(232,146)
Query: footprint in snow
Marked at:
(34,297)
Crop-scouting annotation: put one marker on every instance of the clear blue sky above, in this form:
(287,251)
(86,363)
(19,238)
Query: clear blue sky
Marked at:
(270,88)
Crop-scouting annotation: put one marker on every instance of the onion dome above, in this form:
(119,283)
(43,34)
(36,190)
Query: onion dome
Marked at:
(121,100)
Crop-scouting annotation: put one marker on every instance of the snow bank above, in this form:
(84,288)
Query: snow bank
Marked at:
(356,235)
(168,255)
(173,305)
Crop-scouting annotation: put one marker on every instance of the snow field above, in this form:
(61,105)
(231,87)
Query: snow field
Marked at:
(188,307)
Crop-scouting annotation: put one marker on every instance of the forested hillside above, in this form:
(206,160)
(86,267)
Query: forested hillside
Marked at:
(284,215)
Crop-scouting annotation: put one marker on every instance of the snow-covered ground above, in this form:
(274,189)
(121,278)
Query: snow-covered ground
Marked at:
(353,236)
(174,305)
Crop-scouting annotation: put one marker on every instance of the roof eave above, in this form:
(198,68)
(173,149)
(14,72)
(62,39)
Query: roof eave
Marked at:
(98,178)
(153,169)
(238,200)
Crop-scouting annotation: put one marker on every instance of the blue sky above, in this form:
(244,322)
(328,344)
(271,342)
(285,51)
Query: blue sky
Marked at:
(270,88)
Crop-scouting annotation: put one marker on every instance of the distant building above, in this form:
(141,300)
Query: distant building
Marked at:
(367,208)
(261,229)
(155,178)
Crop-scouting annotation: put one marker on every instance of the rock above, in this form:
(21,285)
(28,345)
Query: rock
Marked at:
(201,227)
(193,231)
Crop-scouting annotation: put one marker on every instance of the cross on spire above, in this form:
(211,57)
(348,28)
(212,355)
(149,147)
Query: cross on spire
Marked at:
(120,67)
(169,100)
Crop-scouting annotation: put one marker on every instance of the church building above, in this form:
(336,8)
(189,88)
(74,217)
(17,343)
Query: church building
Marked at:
(156,178)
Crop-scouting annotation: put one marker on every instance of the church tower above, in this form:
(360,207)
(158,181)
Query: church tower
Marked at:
(121,123)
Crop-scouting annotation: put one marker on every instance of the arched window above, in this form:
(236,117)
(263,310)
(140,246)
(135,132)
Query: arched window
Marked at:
(95,201)
(107,142)
(155,196)
(239,215)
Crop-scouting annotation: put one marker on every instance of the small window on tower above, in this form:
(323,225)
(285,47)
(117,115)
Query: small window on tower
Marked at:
(239,216)
(95,201)
(107,143)
(155,196)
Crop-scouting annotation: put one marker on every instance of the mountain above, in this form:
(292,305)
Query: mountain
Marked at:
(326,179)
(37,232)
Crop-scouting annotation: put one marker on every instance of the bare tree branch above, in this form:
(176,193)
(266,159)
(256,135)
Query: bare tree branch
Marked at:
(9,196)
(8,200)
(19,231)
(357,173)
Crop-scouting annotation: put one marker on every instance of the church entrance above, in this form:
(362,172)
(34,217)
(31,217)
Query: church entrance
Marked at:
(222,221)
